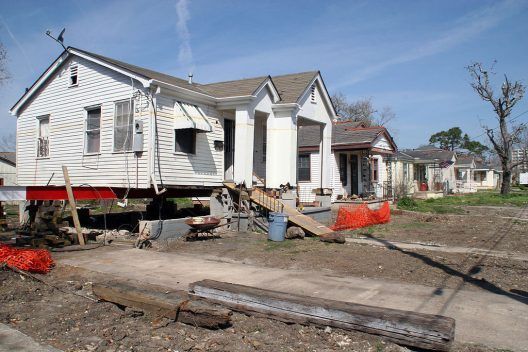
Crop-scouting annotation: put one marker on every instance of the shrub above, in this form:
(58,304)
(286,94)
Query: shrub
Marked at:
(407,202)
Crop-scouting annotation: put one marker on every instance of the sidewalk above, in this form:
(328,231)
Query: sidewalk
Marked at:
(481,317)
(12,340)
(439,248)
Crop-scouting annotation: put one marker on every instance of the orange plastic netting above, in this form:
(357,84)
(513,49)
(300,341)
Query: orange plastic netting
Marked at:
(33,260)
(352,217)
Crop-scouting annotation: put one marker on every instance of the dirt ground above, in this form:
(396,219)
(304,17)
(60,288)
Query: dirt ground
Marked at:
(65,320)
(438,269)
(481,228)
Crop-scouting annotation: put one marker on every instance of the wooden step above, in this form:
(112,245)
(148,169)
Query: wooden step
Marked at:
(305,222)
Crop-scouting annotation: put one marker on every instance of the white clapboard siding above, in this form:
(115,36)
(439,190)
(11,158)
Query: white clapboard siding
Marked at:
(381,142)
(7,173)
(306,188)
(205,168)
(66,107)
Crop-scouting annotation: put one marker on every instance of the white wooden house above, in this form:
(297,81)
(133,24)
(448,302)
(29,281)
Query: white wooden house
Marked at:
(133,129)
(360,162)
(7,169)
(432,168)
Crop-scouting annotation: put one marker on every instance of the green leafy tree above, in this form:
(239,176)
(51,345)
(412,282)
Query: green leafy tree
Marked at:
(448,140)
(454,140)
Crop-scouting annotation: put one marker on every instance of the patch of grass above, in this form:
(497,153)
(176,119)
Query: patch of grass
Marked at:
(273,246)
(452,204)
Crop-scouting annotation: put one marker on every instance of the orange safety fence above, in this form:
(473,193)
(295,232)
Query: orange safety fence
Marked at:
(33,260)
(352,217)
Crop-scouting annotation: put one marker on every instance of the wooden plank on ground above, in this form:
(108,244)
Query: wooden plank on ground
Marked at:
(433,332)
(172,304)
(305,222)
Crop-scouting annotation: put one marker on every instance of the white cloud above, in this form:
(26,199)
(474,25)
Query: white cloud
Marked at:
(185,55)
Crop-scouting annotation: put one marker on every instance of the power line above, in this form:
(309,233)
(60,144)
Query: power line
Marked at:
(496,128)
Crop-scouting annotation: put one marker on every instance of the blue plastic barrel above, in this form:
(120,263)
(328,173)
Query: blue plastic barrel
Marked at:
(277,226)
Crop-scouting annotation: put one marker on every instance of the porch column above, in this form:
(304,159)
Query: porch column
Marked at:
(325,152)
(244,136)
(281,155)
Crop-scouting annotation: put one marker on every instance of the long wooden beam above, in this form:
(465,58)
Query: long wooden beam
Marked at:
(433,332)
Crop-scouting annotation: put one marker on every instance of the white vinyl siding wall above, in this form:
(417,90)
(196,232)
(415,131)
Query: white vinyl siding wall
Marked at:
(66,107)
(305,188)
(205,168)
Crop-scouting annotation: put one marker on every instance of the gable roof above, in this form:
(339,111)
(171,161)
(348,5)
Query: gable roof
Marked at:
(288,88)
(349,133)
(240,87)
(429,153)
(145,72)
(292,86)
(8,157)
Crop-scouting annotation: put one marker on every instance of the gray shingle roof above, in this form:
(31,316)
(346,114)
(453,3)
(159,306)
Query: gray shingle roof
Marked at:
(429,154)
(147,73)
(10,157)
(292,86)
(240,87)
(343,133)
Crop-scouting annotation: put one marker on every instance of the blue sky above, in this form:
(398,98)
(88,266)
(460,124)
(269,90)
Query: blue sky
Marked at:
(408,55)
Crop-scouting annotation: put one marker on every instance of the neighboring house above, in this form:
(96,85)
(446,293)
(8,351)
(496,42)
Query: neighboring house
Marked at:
(403,173)
(360,162)
(433,167)
(7,169)
(119,125)
(473,174)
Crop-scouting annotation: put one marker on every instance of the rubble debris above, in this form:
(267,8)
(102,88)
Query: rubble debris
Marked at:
(333,238)
(294,232)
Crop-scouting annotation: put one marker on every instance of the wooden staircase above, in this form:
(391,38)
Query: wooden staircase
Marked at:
(305,222)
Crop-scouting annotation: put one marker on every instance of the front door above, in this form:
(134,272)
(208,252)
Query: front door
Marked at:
(354,184)
(229,149)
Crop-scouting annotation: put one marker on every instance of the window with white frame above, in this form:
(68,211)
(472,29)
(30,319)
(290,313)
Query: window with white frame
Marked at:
(123,126)
(43,136)
(303,167)
(93,130)
(74,75)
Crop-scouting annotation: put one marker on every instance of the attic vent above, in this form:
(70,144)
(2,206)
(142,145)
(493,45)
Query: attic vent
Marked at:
(73,75)
(312,93)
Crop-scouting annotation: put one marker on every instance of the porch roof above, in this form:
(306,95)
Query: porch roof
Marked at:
(347,135)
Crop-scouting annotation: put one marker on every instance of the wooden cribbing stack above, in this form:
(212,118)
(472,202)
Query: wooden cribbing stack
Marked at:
(173,304)
(432,332)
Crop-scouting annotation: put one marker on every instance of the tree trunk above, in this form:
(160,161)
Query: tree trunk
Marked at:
(506,182)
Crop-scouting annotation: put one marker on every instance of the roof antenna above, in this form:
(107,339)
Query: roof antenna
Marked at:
(59,39)
(190,78)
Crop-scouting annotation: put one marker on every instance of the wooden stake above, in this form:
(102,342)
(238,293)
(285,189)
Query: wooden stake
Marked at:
(73,205)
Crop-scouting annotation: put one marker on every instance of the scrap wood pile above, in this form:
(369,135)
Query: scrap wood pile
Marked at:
(209,304)
(352,217)
(32,260)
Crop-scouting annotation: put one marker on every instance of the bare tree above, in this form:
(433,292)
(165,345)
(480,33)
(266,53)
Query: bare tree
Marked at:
(507,134)
(4,74)
(362,111)
(8,143)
